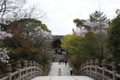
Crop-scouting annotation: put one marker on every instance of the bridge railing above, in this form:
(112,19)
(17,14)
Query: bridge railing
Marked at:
(29,70)
(92,68)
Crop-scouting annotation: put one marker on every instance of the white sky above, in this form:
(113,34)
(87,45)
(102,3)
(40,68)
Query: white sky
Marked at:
(61,13)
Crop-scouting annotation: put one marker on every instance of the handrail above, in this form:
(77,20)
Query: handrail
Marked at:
(117,75)
(101,73)
(27,73)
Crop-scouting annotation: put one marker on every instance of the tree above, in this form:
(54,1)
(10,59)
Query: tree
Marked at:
(28,40)
(114,38)
(97,23)
(8,6)
(13,10)
(97,16)
(70,43)
(88,47)
(32,12)
(3,50)
(79,22)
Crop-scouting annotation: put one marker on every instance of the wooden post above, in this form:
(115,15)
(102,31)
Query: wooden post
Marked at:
(96,65)
(9,71)
(104,66)
(19,69)
(114,68)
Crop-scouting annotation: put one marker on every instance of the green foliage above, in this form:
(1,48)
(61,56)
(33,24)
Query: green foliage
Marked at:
(44,27)
(114,38)
(26,42)
(34,23)
(70,43)
(20,48)
(88,48)
(78,22)
(97,16)
(46,66)
(75,60)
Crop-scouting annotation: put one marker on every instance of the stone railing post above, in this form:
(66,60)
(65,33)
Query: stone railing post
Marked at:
(30,72)
(33,63)
(25,65)
(114,68)
(9,70)
(88,65)
(82,69)
(33,68)
(91,64)
(41,70)
(37,69)
(30,63)
(96,65)
(19,69)
(87,68)
(104,66)
(18,65)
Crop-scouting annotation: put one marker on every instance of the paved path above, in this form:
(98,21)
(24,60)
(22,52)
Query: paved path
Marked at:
(63,78)
(58,57)
(52,75)
(65,69)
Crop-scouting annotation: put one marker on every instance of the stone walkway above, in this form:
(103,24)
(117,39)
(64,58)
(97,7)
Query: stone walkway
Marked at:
(65,69)
(58,57)
(62,78)
(53,74)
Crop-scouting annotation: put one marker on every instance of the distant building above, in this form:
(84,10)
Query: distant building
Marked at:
(56,40)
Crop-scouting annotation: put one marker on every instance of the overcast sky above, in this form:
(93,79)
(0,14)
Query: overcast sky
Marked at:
(61,13)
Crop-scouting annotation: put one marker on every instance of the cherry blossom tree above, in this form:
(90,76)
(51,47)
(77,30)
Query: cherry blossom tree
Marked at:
(3,51)
(4,55)
(97,23)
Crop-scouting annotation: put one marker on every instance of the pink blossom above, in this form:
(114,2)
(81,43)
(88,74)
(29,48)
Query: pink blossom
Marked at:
(3,51)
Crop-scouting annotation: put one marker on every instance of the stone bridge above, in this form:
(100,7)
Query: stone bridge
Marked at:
(33,71)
